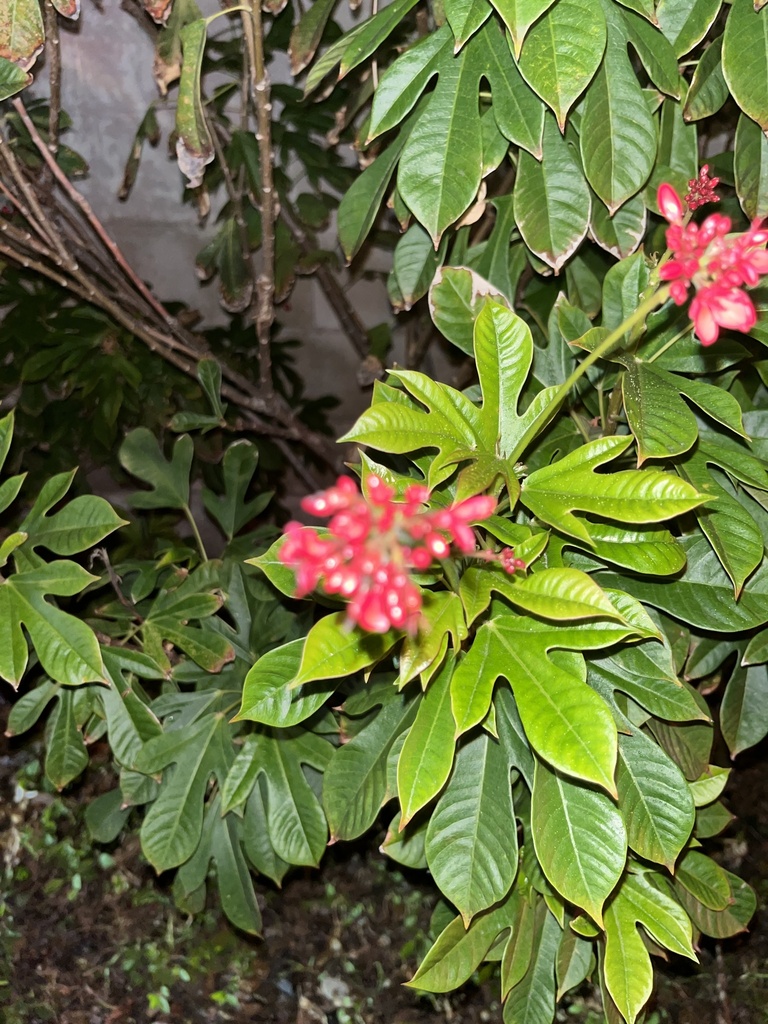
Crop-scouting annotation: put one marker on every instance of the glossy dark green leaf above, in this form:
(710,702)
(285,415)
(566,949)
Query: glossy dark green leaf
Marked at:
(708,90)
(750,165)
(519,15)
(617,132)
(745,59)
(552,203)
(660,420)
(621,233)
(456,297)
(685,22)
(465,17)
(652,47)
(471,842)
(744,710)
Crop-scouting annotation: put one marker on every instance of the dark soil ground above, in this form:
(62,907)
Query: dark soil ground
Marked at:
(89,936)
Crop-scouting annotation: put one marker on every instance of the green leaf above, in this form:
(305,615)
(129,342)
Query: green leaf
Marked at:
(238,900)
(745,59)
(267,696)
(242,776)
(66,646)
(532,1000)
(660,420)
(574,962)
(130,722)
(516,108)
(105,816)
(722,924)
(705,880)
(66,754)
(471,843)
(652,47)
(653,552)
(415,263)
(173,825)
(465,17)
(406,847)
(194,147)
(628,972)
(140,455)
(630,496)
(750,165)
(654,800)
(519,15)
(456,297)
(744,710)
(256,840)
(403,83)
(567,724)
(307,33)
(518,950)
(686,22)
(580,839)
(562,51)
(703,595)
(361,44)
(21,32)
(27,710)
(618,134)
(728,526)
(458,951)
(442,616)
(708,90)
(82,523)
(12,78)
(427,755)
(645,672)
(231,510)
(355,783)
(297,826)
(332,650)
(621,233)
(441,166)
(552,203)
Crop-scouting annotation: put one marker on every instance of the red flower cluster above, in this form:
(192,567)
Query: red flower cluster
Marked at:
(701,190)
(373,543)
(717,264)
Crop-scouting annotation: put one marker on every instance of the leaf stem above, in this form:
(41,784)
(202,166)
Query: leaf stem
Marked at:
(196,533)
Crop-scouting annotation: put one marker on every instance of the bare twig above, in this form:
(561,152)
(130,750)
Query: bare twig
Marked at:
(260,97)
(53,56)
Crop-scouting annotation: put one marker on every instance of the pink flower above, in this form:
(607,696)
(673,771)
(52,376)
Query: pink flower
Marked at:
(374,542)
(716,263)
(701,190)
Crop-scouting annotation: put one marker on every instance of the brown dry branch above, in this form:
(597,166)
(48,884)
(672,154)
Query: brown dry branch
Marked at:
(62,239)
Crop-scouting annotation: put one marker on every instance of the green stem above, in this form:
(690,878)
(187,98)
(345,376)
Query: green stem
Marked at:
(196,533)
(669,344)
(657,298)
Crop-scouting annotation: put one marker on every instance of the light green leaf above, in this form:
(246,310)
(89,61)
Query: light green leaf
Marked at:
(645,672)
(552,203)
(630,496)
(403,83)
(574,961)
(654,800)
(456,297)
(471,844)
(458,951)
(580,839)
(654,552)
(532,1000)
(660,420)
(372,34)
(442,616)
(406,847)
(297,827)
(268,696)
(332,650)
(562,51)
(745,59)
(566,723)
(12,78)
(427,755)
(465,17)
